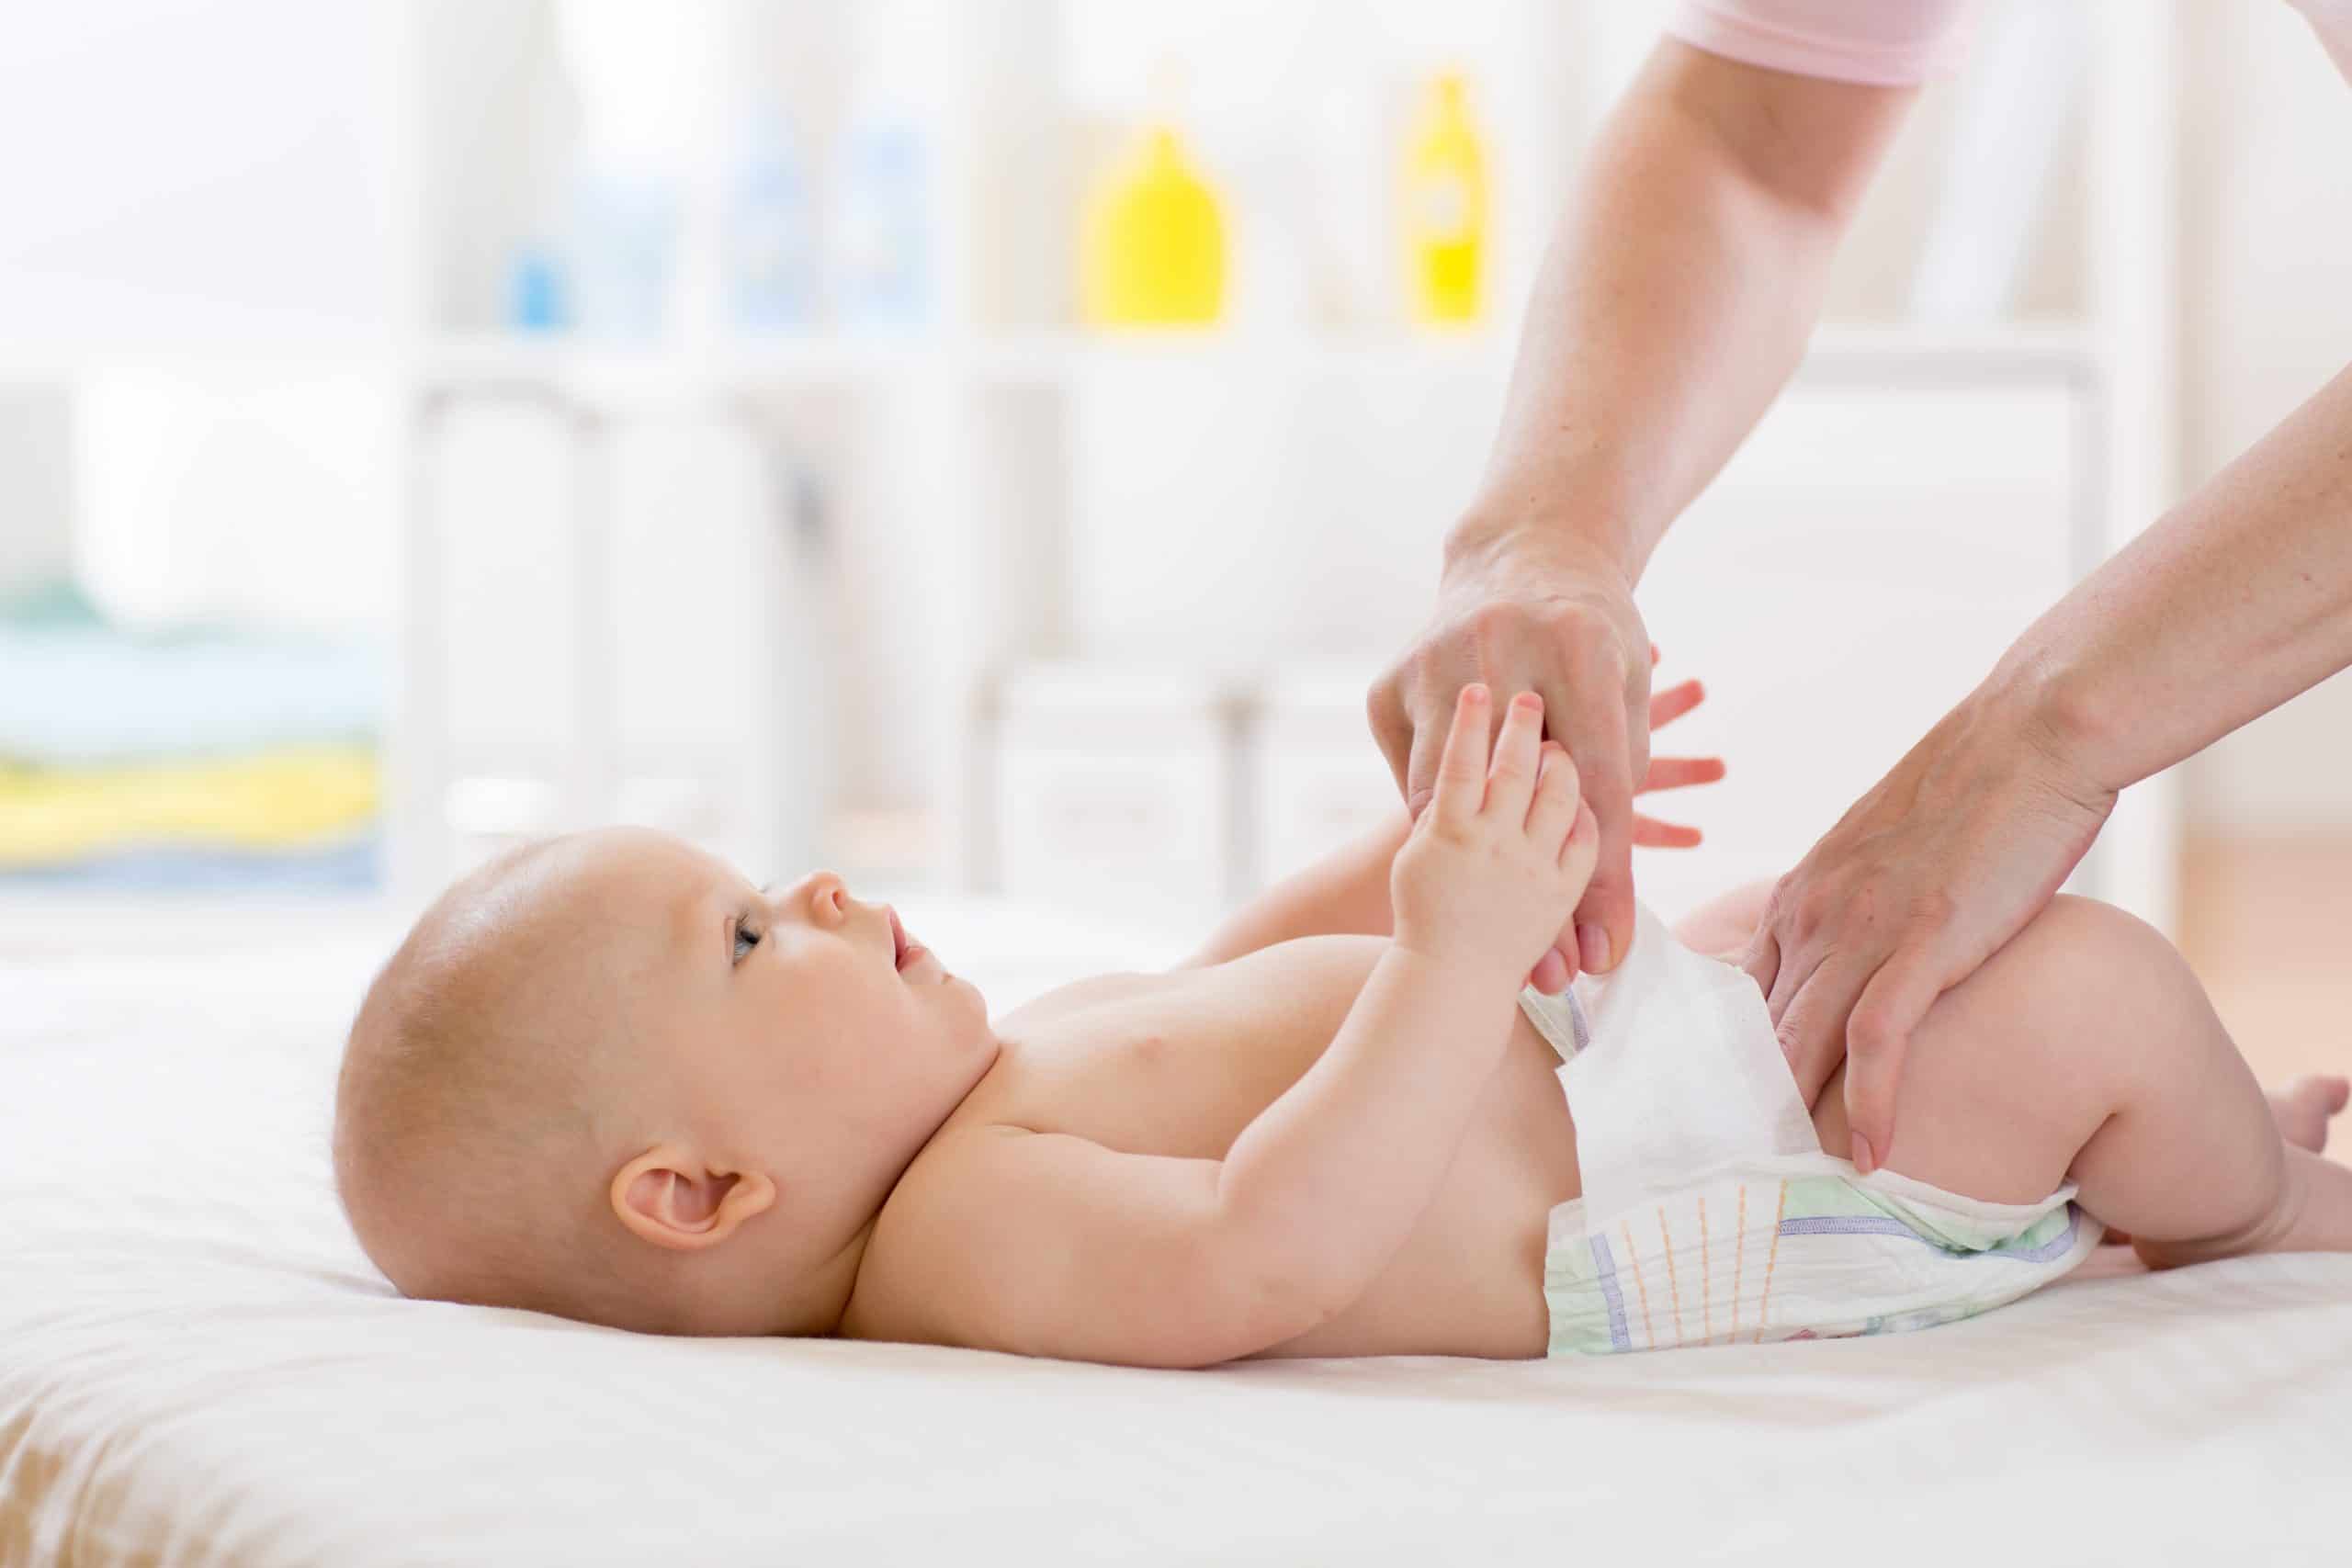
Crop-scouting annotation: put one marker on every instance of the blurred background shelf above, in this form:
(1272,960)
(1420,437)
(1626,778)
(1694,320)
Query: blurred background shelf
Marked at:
(1053,360)
(780,589)
(893,597)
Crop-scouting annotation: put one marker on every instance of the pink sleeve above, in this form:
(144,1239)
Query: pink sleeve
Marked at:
(1886,43)
(2332,20)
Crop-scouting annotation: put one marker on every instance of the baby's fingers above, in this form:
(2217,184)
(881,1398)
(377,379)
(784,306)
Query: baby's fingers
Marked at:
(1554,810)
(1510,780)
(1582,852)
(1462,770)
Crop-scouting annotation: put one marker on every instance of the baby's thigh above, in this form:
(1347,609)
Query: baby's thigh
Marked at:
(1722,926)
(2014,1069)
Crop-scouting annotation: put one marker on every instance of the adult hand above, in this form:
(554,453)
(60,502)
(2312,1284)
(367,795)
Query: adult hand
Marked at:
(1534,612)
(1924,879)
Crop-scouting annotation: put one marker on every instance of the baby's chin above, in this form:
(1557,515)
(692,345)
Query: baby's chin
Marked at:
(980,1004)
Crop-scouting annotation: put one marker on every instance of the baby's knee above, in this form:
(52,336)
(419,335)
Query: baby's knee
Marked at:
(2097,1003)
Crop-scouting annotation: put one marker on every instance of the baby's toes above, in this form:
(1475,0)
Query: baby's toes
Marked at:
(2302,1105)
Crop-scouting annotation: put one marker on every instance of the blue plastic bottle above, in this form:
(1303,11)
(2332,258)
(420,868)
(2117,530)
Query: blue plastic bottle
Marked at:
(535,292)
(882,259)
(769,249)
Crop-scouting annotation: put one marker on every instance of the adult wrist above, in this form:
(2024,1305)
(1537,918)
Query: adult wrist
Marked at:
(2043,704)
(1486,539)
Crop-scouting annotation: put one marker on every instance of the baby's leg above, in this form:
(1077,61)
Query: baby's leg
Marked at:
(1723,925)
(2085,1049)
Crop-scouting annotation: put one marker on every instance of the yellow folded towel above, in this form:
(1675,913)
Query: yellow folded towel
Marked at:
(295,798)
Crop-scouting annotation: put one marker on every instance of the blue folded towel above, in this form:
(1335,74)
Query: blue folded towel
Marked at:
(77,692)
(347,867)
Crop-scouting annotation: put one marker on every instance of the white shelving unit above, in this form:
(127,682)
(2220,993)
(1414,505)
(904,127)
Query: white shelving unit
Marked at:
(972,476)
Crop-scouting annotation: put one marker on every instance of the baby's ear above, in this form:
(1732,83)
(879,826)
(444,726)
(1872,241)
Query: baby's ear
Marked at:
(671,1197)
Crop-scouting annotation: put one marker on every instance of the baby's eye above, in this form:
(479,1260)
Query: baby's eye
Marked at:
(746,939)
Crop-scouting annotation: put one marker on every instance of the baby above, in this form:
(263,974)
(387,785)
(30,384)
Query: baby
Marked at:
(606,1078)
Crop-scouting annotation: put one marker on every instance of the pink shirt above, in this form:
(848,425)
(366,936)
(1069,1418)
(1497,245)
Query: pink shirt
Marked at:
(1885,42)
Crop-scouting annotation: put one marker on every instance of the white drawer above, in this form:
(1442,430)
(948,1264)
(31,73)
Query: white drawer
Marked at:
(1139,834)
(1115,792)
(1307,801)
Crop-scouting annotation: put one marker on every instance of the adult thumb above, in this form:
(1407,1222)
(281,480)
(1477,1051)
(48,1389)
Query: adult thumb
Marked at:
(1605,913)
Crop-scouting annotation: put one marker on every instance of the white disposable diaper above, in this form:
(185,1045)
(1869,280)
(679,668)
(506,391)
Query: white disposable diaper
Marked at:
(1708,1214)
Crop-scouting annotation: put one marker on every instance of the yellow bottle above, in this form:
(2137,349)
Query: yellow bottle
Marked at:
(1151,246)
(1445,208)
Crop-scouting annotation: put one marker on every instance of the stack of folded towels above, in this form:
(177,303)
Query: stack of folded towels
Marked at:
(182,758)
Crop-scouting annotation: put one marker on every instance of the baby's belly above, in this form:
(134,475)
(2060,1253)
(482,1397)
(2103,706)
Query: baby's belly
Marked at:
(1469,1279)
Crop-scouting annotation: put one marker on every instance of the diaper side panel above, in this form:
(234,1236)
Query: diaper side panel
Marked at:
(1800,1253)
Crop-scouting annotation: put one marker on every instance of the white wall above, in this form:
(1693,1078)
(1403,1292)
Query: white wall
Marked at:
(261,498)
(154,155)
(35,486)
(2266,147)
(196,230)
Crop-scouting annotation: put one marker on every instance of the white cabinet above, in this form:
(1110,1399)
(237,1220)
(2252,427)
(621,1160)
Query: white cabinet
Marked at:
(1316,779)
(1116,793)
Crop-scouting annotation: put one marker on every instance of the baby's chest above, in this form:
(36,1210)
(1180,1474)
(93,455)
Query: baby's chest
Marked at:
(1178,1070)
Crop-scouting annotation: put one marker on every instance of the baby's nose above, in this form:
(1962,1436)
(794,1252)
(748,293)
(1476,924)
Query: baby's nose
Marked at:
(820,893)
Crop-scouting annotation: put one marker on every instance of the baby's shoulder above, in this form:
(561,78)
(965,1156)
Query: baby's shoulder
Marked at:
(926,1268)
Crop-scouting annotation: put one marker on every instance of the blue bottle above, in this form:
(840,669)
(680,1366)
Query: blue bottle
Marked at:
(768,241)
(882,258)
(535,292)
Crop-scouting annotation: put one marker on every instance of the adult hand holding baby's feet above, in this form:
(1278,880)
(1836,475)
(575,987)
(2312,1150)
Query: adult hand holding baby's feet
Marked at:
(1505,849)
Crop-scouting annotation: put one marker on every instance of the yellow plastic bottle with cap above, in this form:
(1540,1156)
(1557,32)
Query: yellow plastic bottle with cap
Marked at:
(1445,208)
(1151,246)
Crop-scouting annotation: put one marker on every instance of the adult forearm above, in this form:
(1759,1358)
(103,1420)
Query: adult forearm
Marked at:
(1675,298)
(2237,600)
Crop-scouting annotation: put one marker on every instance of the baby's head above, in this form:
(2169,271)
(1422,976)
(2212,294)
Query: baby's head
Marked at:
(607,1077)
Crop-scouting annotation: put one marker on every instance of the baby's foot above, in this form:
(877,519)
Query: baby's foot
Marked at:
(2302,1105)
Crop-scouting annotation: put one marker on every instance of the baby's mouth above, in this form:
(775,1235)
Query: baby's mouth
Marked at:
(903,951)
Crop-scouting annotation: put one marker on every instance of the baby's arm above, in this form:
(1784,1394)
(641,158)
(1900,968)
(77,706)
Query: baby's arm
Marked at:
(1347,891)
(1050,1244)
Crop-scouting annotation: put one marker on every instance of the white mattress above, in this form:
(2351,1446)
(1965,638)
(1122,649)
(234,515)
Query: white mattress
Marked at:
(198,1365)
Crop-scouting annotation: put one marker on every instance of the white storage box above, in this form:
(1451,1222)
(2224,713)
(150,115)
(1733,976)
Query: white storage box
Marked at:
(1315,778)
(1115,792)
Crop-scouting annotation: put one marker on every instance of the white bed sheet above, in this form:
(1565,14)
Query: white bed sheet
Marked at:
(198,1365)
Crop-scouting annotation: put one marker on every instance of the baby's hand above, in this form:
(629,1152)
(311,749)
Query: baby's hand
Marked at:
(1496,863)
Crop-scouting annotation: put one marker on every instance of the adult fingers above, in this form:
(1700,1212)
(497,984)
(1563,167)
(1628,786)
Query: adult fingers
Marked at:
(1511,778)
(1458,782)
(1680,772)
(1393,727)
(1552,973)
(1809,1029)
(1878,1038)
(1596,739)
(1649,833)
(1674,702)
(1762,959)
(1423,747)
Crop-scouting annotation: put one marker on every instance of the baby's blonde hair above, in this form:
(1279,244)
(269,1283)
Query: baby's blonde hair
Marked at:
(467,1144)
